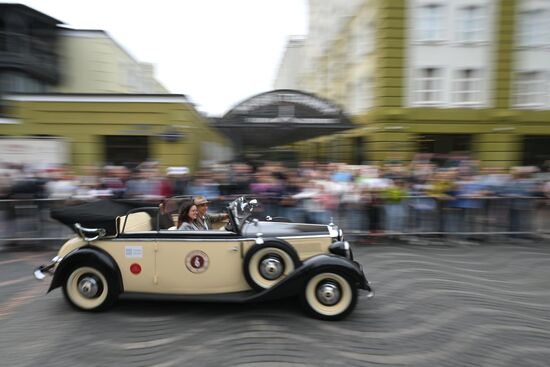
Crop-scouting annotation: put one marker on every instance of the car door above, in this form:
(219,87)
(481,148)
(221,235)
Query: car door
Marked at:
(199,262)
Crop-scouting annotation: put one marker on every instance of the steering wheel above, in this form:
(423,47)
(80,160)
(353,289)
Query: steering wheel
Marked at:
(229,224)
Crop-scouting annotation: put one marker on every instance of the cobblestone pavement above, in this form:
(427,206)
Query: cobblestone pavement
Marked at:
(437,305)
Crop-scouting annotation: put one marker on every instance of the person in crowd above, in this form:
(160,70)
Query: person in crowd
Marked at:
(114,180)
(239,179)
(290,207)
(267,188)
(394,208)
(61,184)
(187,218)
(6,182)
(352,205)
(206,221)
(203,184)
(372,186)
(175,183)
(520,193)
(419,197)
(166,221)
(469,193)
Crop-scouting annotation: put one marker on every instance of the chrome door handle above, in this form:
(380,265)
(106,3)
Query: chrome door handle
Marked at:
(234,249)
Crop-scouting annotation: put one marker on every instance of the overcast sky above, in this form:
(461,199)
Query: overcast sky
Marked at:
(217,52)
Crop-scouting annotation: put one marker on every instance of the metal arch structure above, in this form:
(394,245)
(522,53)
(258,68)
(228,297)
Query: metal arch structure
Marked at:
(281,117)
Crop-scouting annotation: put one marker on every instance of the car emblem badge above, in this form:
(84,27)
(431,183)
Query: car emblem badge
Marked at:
(196,261)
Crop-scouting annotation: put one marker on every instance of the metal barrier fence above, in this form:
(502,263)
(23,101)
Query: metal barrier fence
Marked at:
(29,220)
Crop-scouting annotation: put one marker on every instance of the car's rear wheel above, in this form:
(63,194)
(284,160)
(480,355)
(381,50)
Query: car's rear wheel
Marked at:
(268,264)
(90,288)
(329,296)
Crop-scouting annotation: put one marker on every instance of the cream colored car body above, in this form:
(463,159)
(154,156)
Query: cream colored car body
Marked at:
(163,261)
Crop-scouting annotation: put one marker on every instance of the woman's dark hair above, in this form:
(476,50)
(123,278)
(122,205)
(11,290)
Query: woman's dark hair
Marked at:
(183,215)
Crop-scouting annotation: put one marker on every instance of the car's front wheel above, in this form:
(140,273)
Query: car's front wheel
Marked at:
(329,296)
(268,264)
(90,288)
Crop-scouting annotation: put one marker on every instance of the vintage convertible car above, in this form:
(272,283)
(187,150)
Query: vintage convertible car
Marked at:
(247,260)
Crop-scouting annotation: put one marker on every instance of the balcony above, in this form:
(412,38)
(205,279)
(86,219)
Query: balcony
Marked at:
(29,54)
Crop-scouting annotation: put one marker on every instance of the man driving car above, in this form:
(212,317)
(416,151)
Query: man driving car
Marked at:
(206,221)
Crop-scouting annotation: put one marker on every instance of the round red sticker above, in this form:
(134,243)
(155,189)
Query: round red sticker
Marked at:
(197,261)
(135,268)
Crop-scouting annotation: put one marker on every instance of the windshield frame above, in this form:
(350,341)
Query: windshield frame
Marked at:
(239,211)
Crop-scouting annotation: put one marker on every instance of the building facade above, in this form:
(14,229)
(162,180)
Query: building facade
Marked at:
(28,58)
(39,56)
(119,129)
(290,64)
(93,101)
(93,62)
(433,76)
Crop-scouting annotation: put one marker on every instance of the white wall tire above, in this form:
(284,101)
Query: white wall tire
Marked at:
(88,288)
(329,296)
(268,265)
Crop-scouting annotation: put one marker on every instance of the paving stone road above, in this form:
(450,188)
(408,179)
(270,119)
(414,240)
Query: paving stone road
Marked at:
(437,305)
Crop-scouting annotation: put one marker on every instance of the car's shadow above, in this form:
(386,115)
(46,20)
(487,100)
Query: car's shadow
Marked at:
(145,306)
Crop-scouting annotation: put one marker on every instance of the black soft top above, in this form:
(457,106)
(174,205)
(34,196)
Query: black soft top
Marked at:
(100,214)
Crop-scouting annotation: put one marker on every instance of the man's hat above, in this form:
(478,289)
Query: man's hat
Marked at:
(200,200)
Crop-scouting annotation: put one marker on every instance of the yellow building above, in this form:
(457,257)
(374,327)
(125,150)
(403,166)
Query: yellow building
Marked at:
(90,102)
(118,128)
(93,62)
(431,76)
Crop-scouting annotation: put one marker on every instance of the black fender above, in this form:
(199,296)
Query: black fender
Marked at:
(91,255)
(277,243)
(295,282)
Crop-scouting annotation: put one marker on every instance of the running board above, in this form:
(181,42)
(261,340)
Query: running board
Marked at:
(237,297)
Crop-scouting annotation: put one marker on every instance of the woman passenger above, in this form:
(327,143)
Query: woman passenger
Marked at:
(187,219)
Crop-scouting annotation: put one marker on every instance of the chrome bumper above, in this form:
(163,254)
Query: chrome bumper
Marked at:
(370,293)
(39,273)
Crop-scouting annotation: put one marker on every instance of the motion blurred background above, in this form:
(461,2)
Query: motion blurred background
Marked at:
(393,117)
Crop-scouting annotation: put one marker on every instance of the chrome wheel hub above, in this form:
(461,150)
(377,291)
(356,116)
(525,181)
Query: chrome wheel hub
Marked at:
(271,268)
(328,293)
(88,286)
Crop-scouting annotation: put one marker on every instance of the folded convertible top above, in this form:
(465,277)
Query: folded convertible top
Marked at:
(100,214)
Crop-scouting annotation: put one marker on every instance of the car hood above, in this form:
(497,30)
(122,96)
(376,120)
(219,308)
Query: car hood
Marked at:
(278,229)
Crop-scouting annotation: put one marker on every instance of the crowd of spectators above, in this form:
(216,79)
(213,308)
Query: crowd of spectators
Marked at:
(393,196)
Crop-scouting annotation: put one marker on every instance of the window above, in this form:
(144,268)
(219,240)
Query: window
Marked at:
(15,82)
(350,94)
(533,28)
(332,71)
(286,111)
(126,150)
(359,42)
(430,23)
(358,149)
(132,78)
(428,86)
(470,24)
(443,144)
(357,96)
(368,91)
(368,41)
(360,97)
(535,150)
(530,89)
(466,87)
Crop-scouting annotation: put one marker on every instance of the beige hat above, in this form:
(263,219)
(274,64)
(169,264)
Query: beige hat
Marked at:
(198,200)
